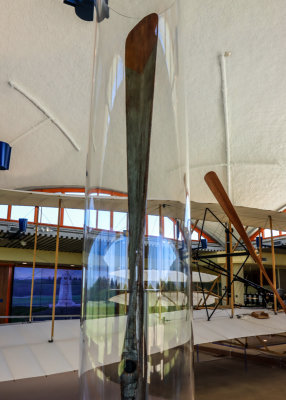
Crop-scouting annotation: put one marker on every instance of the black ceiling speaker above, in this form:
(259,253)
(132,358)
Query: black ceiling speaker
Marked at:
(84,9)
(5,154)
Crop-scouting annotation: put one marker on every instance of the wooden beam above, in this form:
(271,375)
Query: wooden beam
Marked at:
(273,262)
(56,271)
(211,290)
(260,255)
(220,194)
(34,261)
(231,271)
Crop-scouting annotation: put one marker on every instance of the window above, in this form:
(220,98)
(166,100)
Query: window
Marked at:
(73,217)
(168,228)
(48,215)
(267,233)
(153,225)
(195,235)
(119,221)
(103,220)
(3,211)
(23,212)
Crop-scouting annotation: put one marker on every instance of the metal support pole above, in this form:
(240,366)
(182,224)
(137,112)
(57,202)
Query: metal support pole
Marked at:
(273,263)
(56,270)
(34,261)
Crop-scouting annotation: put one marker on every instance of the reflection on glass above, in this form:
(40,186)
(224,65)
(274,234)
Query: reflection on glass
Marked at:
(136,319)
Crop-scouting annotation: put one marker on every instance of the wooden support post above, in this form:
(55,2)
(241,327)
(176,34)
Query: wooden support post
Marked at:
(260,255)
(231,271)
(225,266)
(160,302)
(125,299)
(211,289)
(161,230)
(34,262)
(220,194)
(56,271)
(273,263)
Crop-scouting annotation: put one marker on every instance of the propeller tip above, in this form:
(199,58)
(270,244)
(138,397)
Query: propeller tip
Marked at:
(210,174)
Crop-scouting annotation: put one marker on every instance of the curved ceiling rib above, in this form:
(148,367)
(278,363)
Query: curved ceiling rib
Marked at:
(48,115)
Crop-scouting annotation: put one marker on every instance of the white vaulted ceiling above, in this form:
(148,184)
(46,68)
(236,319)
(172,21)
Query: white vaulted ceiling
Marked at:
(46,53)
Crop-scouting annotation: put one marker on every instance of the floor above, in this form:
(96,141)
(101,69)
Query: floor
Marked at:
(226,378)
(216,378)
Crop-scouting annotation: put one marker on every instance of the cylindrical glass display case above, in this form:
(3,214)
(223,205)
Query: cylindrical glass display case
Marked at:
(136,315)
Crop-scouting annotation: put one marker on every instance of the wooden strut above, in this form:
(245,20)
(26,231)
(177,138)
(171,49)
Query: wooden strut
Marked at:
(260,255)
(210,292)
(56,271)
(231,272)
(273,263)
(266,348)
(34,262)
(195,225)
(140,63)
(220,194)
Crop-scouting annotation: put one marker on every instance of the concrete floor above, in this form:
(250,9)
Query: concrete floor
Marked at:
(226,378)
(216,379)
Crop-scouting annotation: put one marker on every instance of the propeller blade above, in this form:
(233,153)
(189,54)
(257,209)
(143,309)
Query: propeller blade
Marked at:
(220,194)
(140,65)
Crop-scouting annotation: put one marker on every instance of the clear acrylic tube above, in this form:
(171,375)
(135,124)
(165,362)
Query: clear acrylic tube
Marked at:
(136,317)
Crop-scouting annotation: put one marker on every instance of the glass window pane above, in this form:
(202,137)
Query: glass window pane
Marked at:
(153,225)
(195,236)
(3,211)
(23,212)
(267,233)
(103,220)
(104,194)
(73,217)
(48,215)
(168,228)
(91,218)
(75,193)
(119,221)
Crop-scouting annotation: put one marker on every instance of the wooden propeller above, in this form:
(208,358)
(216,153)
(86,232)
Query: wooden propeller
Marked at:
(220,194)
